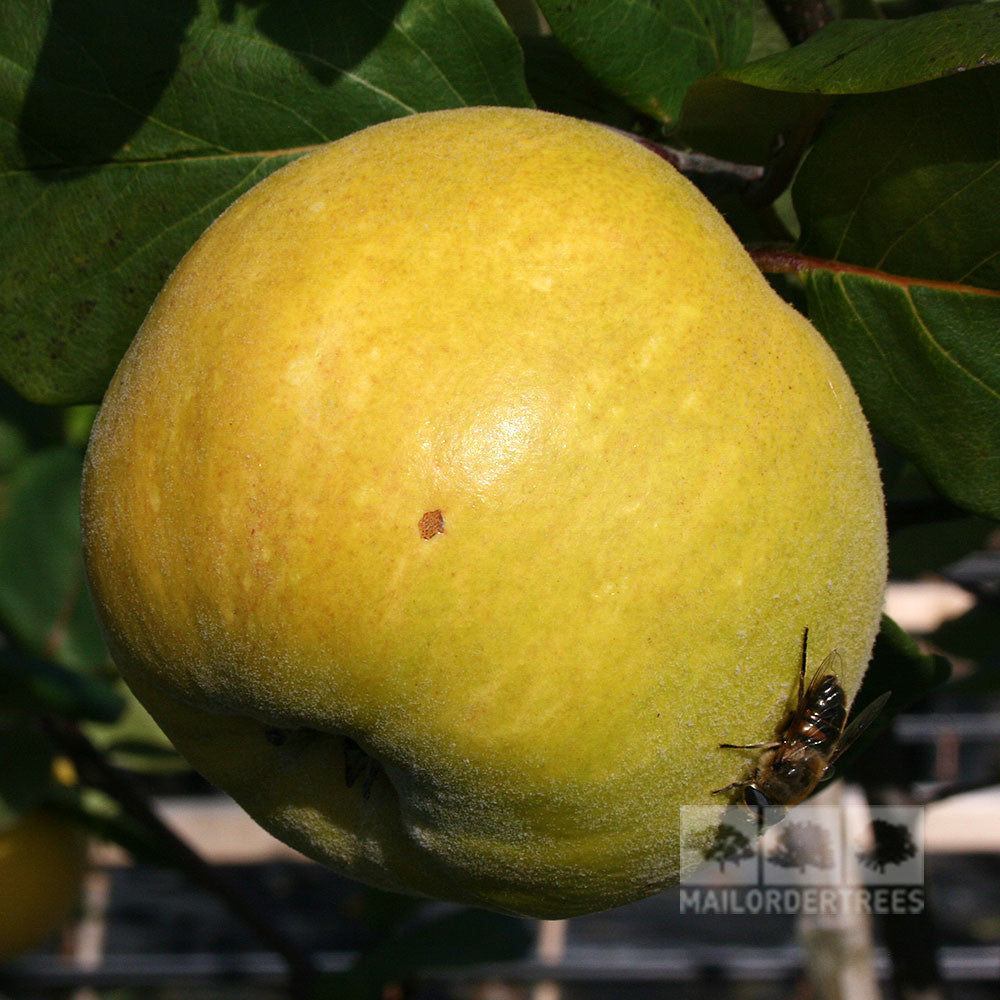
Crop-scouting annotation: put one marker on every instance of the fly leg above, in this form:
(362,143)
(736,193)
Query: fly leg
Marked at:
(802,665)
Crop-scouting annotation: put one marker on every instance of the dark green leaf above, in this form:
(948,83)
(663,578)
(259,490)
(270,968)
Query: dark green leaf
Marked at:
(856,56)
(44,603)
(132,125)
(973,636)
(13,445)
(25,770)
(923,360)
(39,686)
(741,113)
(742,123)
(649,53)
(925,548)
(768,38)
(909,182)
(897,666)
(560,84)
(24,426)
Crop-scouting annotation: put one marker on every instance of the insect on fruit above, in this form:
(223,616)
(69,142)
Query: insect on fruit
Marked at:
(808,742)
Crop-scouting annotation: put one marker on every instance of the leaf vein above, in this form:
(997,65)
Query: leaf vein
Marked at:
(904,388)
(880,263)
(946,353)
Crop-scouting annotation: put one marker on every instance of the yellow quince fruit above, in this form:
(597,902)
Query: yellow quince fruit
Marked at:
(465,488)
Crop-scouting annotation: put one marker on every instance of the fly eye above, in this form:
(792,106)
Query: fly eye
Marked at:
(755,799)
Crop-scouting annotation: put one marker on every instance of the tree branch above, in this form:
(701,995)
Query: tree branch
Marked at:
(787,260)
(738,176)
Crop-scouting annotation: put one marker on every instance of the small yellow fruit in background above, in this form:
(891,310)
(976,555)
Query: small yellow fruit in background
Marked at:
(465,487)
(42,863)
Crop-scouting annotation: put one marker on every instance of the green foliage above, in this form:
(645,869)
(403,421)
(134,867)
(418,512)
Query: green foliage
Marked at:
(650,53)
(32,685)
(899,666)
(743,113)
(895,177)
(43,595)
(920,360)
(25,770)
(901,669)
(132,125)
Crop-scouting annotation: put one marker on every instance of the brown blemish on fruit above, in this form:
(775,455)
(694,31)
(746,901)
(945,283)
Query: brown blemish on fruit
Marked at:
(431,524)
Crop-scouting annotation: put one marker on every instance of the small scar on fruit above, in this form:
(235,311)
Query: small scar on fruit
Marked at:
(431,524)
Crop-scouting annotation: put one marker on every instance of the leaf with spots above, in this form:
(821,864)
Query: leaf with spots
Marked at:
(129,126)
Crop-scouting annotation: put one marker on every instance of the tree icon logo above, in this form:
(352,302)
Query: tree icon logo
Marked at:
(730,845)
(894,845)
(803,845)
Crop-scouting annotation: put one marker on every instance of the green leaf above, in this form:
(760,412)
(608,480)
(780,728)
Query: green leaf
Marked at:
(897,666)
(131,739)
(39,686)
(559,83)
(925,548)
(25,770)
(742,113)
(974,636)
(24,426)
(44,604)
(856,56)
(649,52)
(909,182)
(130,126)
(768,38)
(924,363)
(905,186)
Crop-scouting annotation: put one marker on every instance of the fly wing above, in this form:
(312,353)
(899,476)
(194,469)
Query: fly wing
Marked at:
(859,724)
(833,664)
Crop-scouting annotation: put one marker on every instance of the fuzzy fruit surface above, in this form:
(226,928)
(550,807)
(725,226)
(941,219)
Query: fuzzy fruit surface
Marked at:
(465,487)
(42,863)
